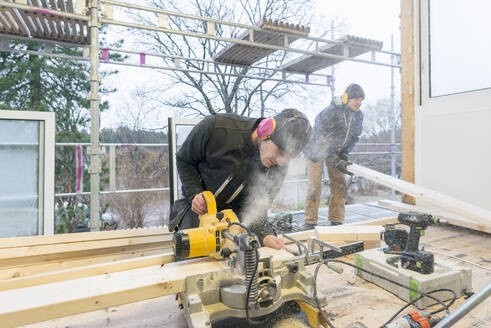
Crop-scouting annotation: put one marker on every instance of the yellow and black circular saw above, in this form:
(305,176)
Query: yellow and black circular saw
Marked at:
(207,239)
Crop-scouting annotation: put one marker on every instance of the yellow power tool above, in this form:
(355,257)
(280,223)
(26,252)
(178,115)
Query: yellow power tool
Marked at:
(207,239)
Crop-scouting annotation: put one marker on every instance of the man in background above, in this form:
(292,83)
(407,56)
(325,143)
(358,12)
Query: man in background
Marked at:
(337,128)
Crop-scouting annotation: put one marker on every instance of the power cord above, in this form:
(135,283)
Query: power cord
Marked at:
(454,297)
(444,306)
(249,285)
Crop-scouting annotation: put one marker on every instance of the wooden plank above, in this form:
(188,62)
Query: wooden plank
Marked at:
(380,222)
(48,21)
(453,205)
(40,303)
(29,260)
(21,29)
(453,219)
(66,29)
(82,236)
(301,236)
(348,233)
(73,28)
(39,259)
(305,235)
(31,26)
(63,264)
(408,87)
(86,271)
(56,21)
(8,253)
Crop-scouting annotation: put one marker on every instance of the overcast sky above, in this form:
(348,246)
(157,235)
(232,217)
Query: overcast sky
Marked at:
(375,19)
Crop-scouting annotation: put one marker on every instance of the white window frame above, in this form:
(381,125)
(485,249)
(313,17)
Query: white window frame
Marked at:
(46,163)
(173,122)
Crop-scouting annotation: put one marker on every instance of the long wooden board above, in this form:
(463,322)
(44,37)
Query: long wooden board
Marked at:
(349,233)
(15,252)
(82,236)
(63,264)
(85,271)
(453,219)
(473,212)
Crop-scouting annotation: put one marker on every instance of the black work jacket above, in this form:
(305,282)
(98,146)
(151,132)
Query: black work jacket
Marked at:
(219,154)
(337,128)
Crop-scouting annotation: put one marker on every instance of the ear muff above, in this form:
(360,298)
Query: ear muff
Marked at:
(266,128)
(345,98)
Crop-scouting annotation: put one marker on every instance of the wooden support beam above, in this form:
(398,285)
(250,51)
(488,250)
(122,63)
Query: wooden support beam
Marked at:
(470,211)
(408,89)
(453,219)
(85,271)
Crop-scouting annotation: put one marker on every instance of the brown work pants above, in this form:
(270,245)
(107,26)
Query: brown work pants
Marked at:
(337,183)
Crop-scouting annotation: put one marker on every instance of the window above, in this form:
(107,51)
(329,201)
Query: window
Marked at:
(460,44)
(26,173)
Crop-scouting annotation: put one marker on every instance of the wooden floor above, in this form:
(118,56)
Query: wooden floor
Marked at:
(350,298)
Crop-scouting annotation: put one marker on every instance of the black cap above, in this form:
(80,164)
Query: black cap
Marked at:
(355,91)
(292,131)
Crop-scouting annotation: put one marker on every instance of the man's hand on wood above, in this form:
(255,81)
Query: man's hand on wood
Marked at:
(273,242)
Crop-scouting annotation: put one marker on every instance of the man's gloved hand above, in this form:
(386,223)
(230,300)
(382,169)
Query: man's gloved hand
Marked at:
(342,154)
(341,165)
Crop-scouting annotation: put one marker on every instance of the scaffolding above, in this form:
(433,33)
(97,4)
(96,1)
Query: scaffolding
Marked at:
(77,24)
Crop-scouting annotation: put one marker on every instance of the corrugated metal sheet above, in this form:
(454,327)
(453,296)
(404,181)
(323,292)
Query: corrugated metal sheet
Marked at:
(41,24)
(355,46)
(271,33)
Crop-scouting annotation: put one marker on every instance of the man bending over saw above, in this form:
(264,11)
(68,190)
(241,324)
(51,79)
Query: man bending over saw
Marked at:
(243,162)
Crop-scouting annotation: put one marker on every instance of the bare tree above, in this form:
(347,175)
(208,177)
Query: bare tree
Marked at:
(378,121)
(201,93)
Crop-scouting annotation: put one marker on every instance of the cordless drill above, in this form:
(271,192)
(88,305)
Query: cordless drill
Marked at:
(412,258)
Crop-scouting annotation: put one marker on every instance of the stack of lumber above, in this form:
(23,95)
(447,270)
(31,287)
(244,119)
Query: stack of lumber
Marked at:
(54,276)
(24,256)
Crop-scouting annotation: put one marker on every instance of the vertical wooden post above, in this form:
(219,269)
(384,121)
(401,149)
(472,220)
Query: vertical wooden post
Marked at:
(408,90)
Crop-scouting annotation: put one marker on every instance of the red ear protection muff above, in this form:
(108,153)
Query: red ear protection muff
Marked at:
(266,128)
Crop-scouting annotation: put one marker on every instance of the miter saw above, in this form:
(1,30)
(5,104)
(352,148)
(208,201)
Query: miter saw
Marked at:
(251,286)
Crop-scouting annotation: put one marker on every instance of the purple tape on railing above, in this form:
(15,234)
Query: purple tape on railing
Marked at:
(143,57)
(356,149)
(390,148)
(43,11)
(307,78)
(79,168)
(328,80)
(105,54)
(373,148)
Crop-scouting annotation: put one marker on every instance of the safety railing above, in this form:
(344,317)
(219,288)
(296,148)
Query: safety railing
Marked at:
(79,158)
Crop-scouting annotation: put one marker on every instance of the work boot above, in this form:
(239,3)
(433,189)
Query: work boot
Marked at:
(309,223)
(336,223)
